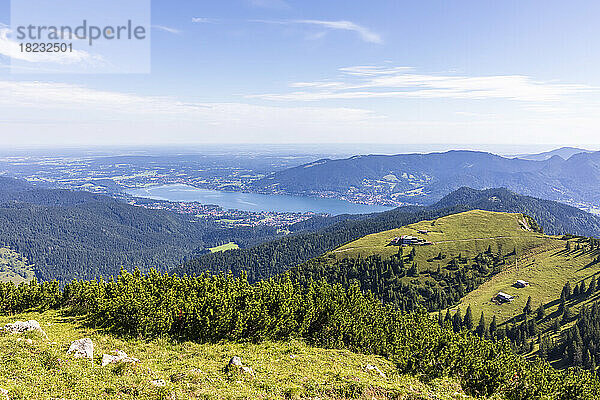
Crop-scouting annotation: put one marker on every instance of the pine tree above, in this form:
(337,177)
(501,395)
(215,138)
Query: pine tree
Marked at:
(592,287)
(457,321)
(468,321)
(493,325)
(541,312)
(566,292)
(527,310)
(448,317)
(481,328)
(414,270)
(556,326)
(567,315)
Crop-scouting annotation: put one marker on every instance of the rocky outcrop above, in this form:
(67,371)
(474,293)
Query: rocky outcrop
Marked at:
(235,364)
(24,326)
(374,369)
(82,348)
(119,356)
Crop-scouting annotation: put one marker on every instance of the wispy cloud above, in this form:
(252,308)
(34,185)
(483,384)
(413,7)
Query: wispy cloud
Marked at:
(270,4)
(363,82)
(76,98)
(202,20)
(364,33)
(10,48)
(167,29)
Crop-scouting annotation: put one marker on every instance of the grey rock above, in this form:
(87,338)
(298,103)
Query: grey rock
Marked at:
(82,348)
(373,368)
(24,326)
(235,361)
(119,356)
(158,383)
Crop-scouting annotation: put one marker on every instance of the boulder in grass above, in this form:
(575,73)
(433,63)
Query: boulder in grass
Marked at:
(82,348)
(24,326)
(373,368)
(235,364)
(158,383)
(119,356)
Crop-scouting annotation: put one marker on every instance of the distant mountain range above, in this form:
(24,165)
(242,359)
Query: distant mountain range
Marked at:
(426,178)
(564,152)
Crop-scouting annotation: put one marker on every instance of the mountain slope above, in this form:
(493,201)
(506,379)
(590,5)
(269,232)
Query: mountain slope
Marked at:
(274,257)
(554,217)
(465,251)
(281,370)
(75,235)
(426,178)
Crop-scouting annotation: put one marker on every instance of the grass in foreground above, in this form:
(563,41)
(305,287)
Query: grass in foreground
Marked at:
(288,370)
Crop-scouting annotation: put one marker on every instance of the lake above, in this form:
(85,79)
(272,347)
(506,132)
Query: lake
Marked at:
(254,201)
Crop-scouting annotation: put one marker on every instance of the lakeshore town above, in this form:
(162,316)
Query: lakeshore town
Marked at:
(226,217)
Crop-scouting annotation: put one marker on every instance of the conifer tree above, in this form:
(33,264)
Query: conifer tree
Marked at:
(493,326)
(481,327)
(457,321)
(541,312)
(528,308)
(468,321)
(592,287)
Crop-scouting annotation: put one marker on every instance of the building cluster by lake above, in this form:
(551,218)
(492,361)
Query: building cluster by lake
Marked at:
(215,213)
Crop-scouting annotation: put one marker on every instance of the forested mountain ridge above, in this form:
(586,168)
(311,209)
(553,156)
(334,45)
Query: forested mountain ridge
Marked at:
(71,234)
(274,257)
(426,178)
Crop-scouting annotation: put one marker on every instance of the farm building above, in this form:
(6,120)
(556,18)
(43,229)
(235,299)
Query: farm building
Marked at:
(503,297)
(521,283)
(406,240)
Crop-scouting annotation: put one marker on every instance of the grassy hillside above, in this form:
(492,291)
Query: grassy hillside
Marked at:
(466,234)
(540,259)
(14,267)
(224,247)
(282,370)
(547,270)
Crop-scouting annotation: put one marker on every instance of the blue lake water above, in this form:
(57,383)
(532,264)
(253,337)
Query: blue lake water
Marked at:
(254,201)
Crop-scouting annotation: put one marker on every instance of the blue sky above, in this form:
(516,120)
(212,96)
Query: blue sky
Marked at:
(282,71)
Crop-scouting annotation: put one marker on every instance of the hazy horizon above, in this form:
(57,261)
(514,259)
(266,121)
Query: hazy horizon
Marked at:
(285,71)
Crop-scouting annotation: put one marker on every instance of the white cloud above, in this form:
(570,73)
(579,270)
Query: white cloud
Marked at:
(125,115)
(167,29)
(271,4)
(369,82)
(202,20)
(364,33)
(10,48)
